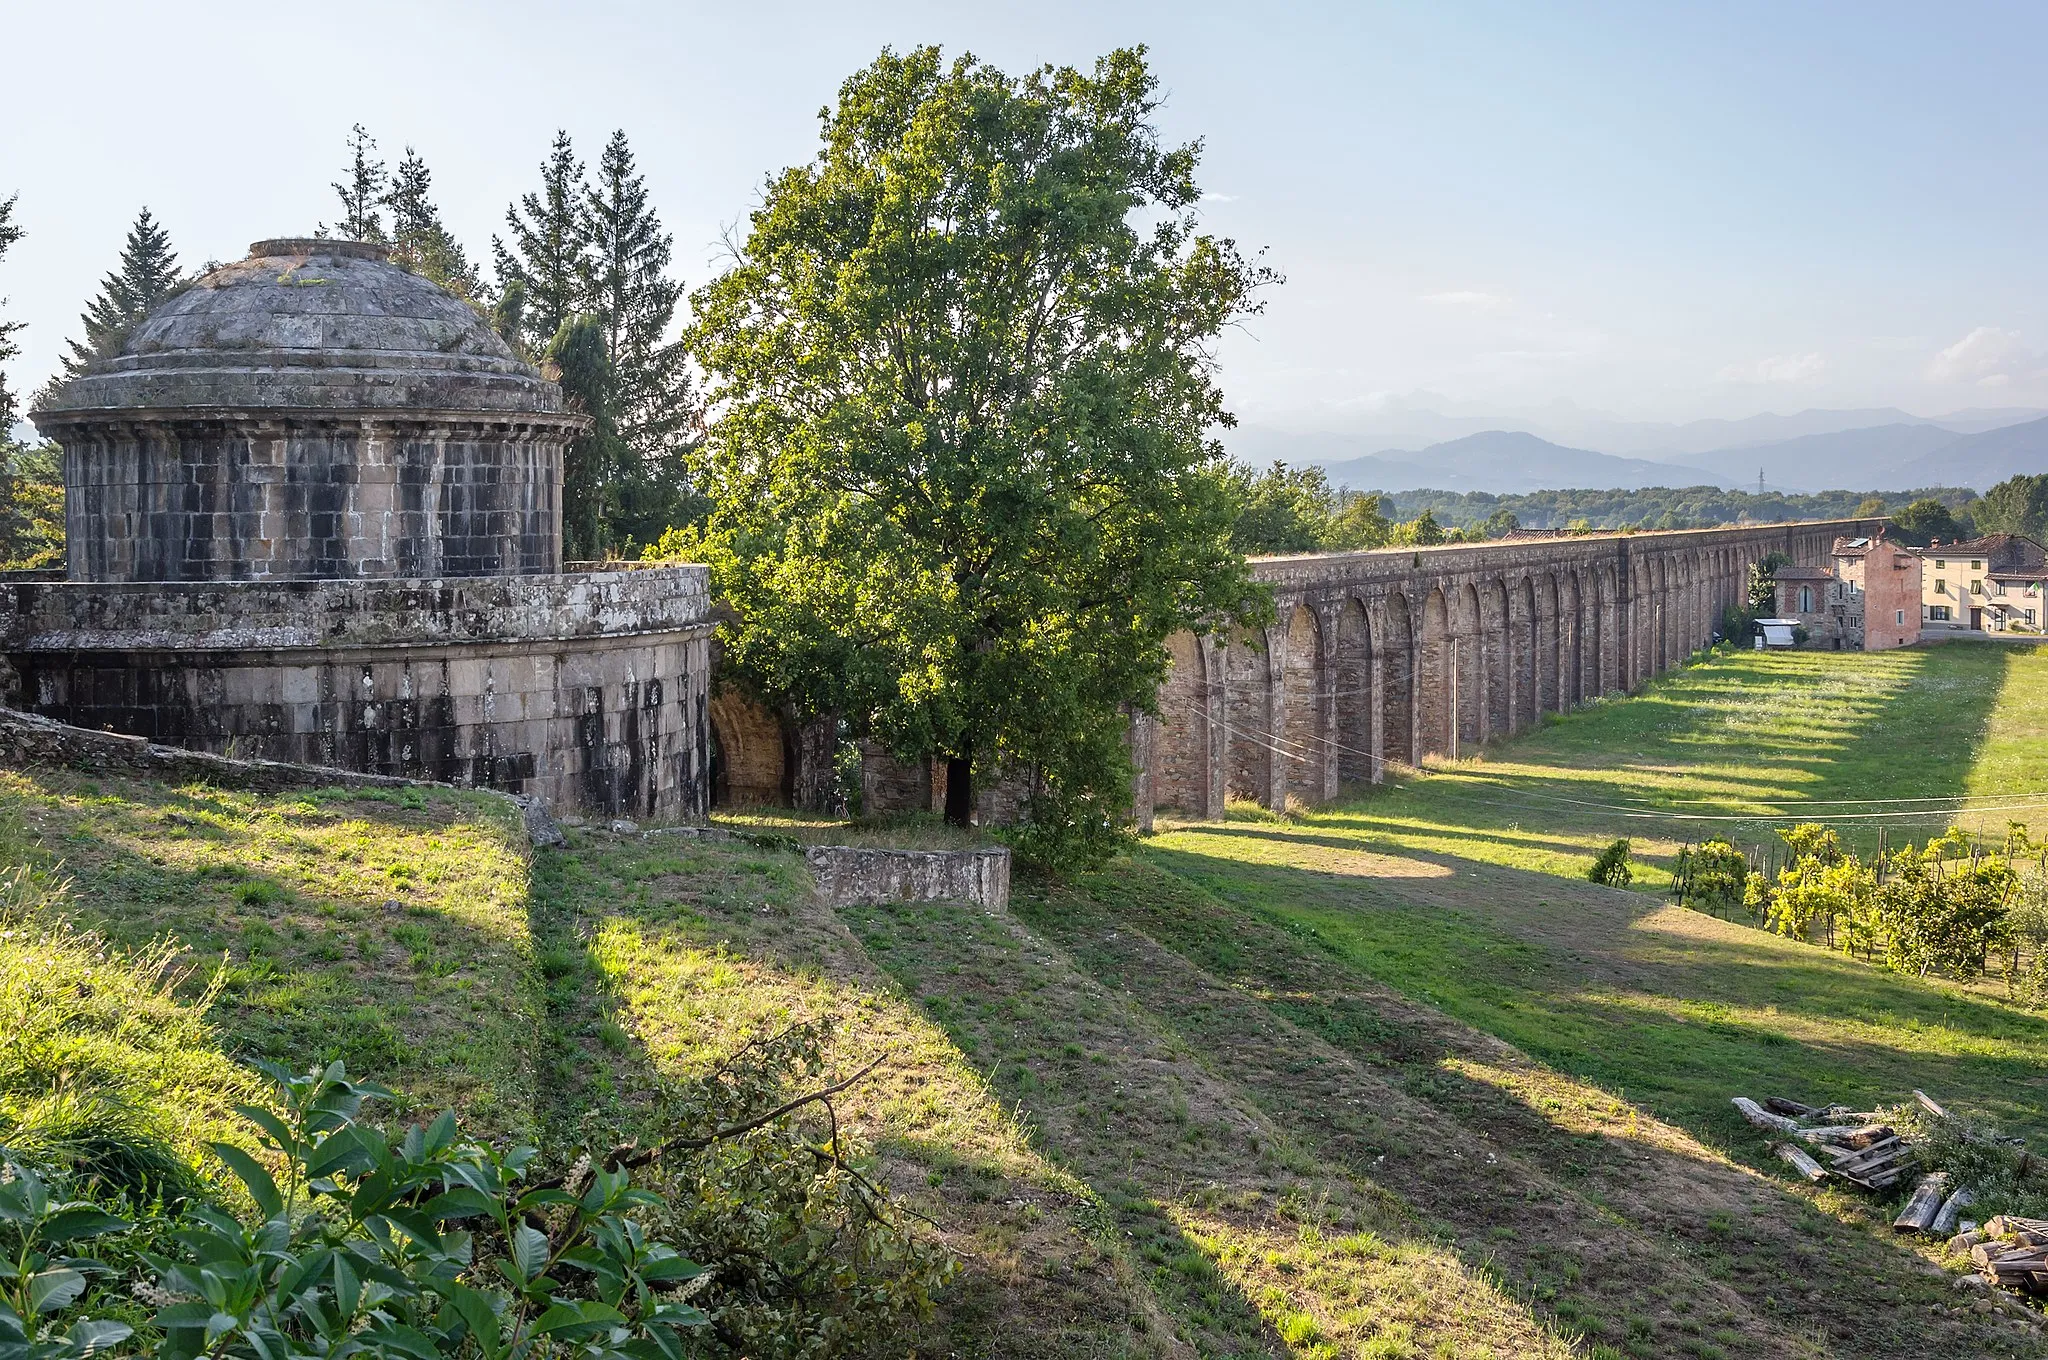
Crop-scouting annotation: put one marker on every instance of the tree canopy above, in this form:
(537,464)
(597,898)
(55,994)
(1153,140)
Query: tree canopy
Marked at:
(2017,505)
(962,474)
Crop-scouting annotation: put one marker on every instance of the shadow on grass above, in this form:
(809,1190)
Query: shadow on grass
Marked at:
(1650,1193)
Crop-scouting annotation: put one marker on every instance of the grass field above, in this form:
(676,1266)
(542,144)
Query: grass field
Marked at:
(1383,1079)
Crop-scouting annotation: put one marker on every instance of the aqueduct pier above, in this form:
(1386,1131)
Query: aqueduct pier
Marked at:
(1385,657)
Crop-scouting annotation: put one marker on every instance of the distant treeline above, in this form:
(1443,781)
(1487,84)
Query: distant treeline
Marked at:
(1659,507)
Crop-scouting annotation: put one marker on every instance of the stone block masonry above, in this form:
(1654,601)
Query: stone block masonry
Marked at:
(314,511)
(851,876)
(1384,658)
(587,691)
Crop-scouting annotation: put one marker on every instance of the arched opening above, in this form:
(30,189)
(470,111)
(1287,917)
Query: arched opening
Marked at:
(1353,683)
(1303,741)
(1249,772)
(1469,649)
(1435,682)
(749,761)
(1530,662)
(1397,682)
(1180,752)
(1497,652)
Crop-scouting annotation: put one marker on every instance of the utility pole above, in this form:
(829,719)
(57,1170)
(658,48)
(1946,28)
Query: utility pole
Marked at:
(1759,481)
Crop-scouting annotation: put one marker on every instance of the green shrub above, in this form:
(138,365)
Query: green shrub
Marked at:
(1611,867)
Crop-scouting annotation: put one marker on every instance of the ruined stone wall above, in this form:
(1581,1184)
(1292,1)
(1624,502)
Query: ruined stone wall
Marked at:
(850,876)
(1391,656)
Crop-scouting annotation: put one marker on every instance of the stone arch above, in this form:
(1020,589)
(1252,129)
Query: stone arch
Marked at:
(1180,750)
(1434,683)
(1469,671)
(1397,681)
(1497,654)
(1530,663)
(748,755)
(1304,747)
(1660,614)
(1569,623)
(1247,706)
(1352,679)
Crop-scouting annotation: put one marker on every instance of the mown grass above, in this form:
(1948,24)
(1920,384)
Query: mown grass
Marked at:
(1731,746)
(386,929)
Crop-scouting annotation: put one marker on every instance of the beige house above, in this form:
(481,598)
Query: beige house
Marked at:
(1983,586)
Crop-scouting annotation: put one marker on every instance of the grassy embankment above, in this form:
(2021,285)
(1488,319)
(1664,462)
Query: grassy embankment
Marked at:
(1362,1082)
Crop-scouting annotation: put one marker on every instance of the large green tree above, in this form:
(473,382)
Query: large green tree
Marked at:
(547,260)
(1927,519)
(2017,505)
(419,240)
(963,473)
(147,275)
(629,289)
(1281,509)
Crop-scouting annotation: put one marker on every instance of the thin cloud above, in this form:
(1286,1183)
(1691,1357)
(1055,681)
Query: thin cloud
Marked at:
(1781,369)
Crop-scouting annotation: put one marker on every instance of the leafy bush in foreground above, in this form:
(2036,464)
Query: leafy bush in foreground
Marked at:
(425,1244)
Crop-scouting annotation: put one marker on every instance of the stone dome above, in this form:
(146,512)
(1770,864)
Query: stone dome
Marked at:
(308,325)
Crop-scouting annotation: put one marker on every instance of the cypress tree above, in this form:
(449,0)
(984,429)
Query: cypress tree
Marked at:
(363,192)
(419,241)
(147,276)
(549,253)
(635,300)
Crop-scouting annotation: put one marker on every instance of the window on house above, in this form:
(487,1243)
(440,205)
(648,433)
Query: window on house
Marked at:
(2030,615)
(1998,587)
(1938,612)
(1940,586)
(1899,616)
(1806,599)
(1976,587)
(1941,564)
(1976,565)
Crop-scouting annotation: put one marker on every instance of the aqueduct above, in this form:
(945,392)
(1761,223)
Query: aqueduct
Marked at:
(1385,657)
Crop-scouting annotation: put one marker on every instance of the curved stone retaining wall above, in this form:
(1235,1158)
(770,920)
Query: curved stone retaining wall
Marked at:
(588,691)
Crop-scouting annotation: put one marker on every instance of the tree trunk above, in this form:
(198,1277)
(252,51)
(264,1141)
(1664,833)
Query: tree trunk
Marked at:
(960,789)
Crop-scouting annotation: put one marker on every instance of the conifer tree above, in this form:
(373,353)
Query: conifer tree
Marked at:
(591,463)
(634,298)
(419,241)
(364,191)
(10,232)
(549,252)
(147,276)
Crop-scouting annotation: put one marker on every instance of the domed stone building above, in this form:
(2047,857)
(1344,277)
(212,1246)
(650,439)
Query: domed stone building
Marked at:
(313,513)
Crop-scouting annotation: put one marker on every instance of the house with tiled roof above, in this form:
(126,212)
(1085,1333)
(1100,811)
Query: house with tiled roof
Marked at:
(1983,586)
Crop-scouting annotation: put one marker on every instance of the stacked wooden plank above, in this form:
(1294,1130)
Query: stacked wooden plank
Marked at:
(2014,1252)
(1858,1149)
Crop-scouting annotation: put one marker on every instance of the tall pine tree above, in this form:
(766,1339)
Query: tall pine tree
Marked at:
(10,232)
(418,239)
(147,276)
(548,257)
(363,193)
(635,300)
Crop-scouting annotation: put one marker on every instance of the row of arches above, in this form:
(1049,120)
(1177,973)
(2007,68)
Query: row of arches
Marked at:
(1352,677)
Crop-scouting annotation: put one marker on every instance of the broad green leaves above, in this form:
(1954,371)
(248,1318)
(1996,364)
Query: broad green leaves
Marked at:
(964,479)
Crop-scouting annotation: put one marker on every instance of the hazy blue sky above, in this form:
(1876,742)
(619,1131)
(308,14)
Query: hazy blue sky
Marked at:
(1658,210)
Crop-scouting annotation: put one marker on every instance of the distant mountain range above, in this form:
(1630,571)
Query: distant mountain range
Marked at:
(1810,451)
